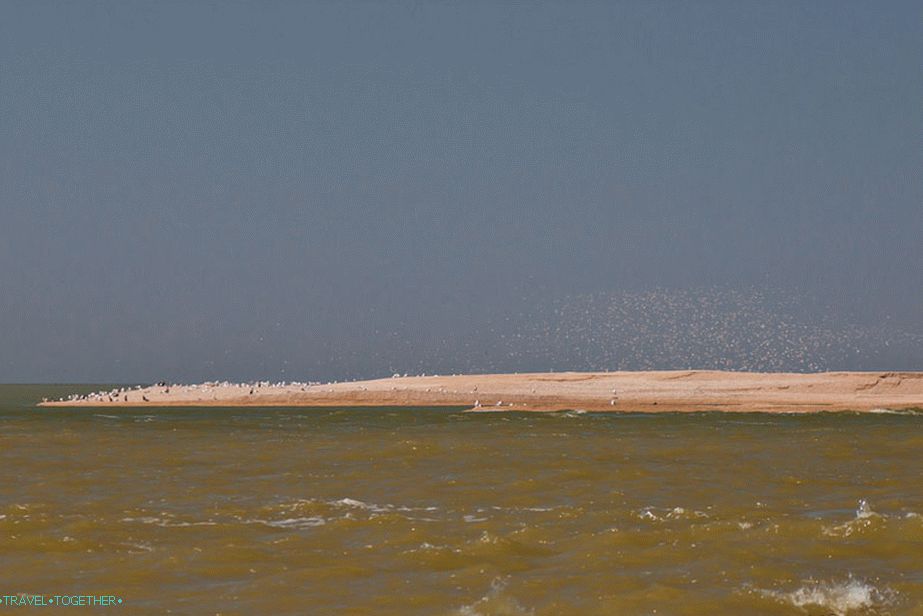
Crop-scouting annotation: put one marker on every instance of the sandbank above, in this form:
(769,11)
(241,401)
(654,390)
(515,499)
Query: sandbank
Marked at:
(650,391)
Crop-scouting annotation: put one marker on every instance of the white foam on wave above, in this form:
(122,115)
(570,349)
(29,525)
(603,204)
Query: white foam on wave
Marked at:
(895,412)
(495,603)
(864,519)
(351,508)
(139,547)
(375,508)
(167,522)
(572,414)
(661,514)
(473,518)
(307,522)
(428,547)
(514,509)
(840,598)
(358,504)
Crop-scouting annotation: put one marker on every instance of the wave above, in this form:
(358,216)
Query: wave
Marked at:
(138,547)
(896,412)
(307,522)
(661,514)
(167,522)
(568,414)
(497,602)
(866,519)
(374,508)
(838,597)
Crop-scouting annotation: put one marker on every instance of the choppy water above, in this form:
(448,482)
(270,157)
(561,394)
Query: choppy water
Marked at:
(382,511)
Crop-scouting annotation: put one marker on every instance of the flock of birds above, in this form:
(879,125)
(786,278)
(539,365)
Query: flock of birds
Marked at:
(137,392)
(714,329)
(112,395)
(747,329)
(708,329)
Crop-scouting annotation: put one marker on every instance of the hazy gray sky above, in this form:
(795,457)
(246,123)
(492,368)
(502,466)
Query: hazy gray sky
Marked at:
(313,190)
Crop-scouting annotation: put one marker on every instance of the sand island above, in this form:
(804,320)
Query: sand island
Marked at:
(652,391)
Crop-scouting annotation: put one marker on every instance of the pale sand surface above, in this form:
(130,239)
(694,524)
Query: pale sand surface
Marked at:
(685,390)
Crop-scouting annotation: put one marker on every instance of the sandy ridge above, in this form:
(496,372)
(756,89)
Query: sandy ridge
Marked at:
(653,391)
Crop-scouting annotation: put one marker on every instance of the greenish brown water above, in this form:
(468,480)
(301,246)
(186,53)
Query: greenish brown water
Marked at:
(383,511)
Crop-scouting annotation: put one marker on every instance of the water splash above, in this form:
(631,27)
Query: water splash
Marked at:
(864,510)
(836,597)
(497,602)
(865,519)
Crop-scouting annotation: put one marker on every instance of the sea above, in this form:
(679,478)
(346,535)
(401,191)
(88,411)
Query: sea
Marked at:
(439,511)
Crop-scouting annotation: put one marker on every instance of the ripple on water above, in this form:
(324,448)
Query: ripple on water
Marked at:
(608,515)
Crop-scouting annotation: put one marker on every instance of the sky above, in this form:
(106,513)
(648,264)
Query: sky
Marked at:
(311,191)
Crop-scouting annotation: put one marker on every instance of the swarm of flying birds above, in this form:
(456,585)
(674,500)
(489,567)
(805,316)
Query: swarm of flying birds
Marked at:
(710,329)
(713,328)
